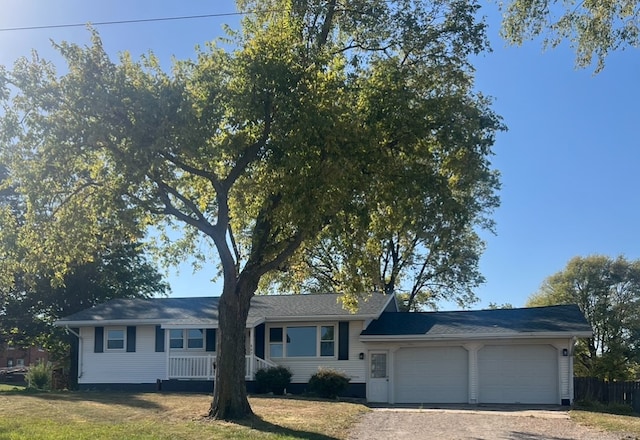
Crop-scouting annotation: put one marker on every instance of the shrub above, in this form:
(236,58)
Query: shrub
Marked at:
(39,376)
(273,379)
(328,383)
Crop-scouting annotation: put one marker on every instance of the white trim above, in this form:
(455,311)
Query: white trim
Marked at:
(109,322)
(467,336)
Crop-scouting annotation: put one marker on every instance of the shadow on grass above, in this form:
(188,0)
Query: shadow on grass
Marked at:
(262,425)
(614,409)
(108,398)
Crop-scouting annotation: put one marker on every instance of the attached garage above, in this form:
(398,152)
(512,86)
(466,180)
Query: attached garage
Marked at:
(431,375)
(518,374)
(508,356)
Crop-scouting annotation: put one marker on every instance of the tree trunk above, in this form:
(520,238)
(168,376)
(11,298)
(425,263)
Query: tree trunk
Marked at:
(230,393)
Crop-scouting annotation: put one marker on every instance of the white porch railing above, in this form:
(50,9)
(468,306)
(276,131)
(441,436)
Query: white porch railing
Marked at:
(202,366)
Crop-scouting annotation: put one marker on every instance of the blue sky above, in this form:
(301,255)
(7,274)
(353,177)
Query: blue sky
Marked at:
(569,162)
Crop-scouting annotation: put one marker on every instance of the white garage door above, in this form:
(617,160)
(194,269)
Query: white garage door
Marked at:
(431,375)
(518,374)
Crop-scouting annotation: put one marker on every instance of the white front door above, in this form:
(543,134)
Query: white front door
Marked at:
(378,389)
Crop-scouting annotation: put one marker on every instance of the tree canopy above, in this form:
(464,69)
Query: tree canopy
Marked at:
(33,297)
(607,291)
(29,307)
(320,115)
(593,28)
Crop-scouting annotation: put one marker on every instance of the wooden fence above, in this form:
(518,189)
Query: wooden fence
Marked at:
(590,388)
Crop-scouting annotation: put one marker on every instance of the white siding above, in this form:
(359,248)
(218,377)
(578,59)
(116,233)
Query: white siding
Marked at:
(142,366)
(304,368)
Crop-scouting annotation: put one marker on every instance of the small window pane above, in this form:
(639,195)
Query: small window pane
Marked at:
(326,333)
(275,334)
(175,338)
(195,338)
(301,341)
(115,339)
(20,362)
(327,349)
(275,350)
(378,365)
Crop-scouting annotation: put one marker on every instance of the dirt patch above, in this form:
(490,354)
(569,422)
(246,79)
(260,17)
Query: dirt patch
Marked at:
(524,424)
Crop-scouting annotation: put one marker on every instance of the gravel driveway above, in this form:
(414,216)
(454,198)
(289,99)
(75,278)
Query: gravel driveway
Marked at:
(476,424)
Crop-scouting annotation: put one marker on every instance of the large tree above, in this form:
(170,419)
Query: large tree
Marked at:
(593,27)
(31,297)
(258,149)
(607,291)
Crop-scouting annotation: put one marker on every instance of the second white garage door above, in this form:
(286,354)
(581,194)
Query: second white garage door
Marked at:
(518,374)
(431,375)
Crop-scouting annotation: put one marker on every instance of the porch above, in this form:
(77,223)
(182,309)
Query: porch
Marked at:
(202,367)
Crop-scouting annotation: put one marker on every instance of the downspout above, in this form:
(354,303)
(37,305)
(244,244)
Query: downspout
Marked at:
(79,349)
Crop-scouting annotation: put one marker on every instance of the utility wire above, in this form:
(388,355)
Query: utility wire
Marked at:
(105,23)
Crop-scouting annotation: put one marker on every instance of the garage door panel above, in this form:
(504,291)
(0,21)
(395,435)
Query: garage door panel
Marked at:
(431,375)
(518,374)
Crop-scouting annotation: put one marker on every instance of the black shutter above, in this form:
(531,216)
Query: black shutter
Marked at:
(211,339)
(159,339)
(98,340)
(259,342)
(343,341)
(131,339)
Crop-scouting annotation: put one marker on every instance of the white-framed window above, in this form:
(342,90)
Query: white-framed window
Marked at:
(302,341)
(176,338)
(10,362)
(20,362)
(115,338)
(327,340)
(189,339)
(195,338)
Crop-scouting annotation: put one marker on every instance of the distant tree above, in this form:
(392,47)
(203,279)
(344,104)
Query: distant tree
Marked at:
(608,293)
(28,309)
(495,306)
(593,28)
(259,149)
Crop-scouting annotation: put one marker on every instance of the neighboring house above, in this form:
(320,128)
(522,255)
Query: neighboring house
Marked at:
(487,356)
(12,357)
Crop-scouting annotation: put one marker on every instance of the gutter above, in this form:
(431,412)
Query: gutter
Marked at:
(79,349)
(469,336)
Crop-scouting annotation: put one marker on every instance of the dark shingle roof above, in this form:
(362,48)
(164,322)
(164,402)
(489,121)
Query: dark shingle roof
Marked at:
(204,310)
(554,319)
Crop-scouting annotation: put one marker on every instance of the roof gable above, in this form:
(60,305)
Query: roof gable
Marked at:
(507,322)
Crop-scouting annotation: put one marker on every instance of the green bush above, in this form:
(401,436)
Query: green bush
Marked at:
(273,379)
(328,383)
(39,376)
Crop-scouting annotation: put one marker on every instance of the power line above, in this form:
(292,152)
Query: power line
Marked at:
(105,23)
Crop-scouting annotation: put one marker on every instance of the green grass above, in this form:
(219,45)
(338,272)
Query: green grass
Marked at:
(82,415)
(613,418)
(4,387)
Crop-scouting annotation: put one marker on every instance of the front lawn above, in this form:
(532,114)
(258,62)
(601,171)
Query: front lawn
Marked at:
(93,415)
